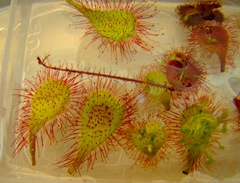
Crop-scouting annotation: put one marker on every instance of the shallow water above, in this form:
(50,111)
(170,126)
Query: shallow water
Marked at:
(46,28)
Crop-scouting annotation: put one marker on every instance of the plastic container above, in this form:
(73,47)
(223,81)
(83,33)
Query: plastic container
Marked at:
(41,27)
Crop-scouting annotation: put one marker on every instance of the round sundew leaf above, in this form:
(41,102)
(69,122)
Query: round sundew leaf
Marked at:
(199,128)
(101,116)
(215,39)
(198,124)
(49,100)
(193,110)
(197,13)
(162,95)
(120,26)
(197,136)
(115,25)
(182,77)
(150,139)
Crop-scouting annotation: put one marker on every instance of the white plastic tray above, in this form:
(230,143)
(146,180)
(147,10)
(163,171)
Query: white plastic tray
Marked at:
(41,27)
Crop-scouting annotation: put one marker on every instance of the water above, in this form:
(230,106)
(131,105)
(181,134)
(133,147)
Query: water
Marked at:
(45,28)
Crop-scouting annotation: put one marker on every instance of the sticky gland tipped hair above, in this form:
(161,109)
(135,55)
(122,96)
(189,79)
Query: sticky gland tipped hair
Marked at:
(155,95)
(193,14)
(183,72)
(149,139)
(178,70)
(48,99)
(211,37)
(201,121)
(120,25)
(104,110)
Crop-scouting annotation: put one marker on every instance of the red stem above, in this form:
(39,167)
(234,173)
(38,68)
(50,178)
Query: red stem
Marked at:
(41,62)
(32,148)
(222,58)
